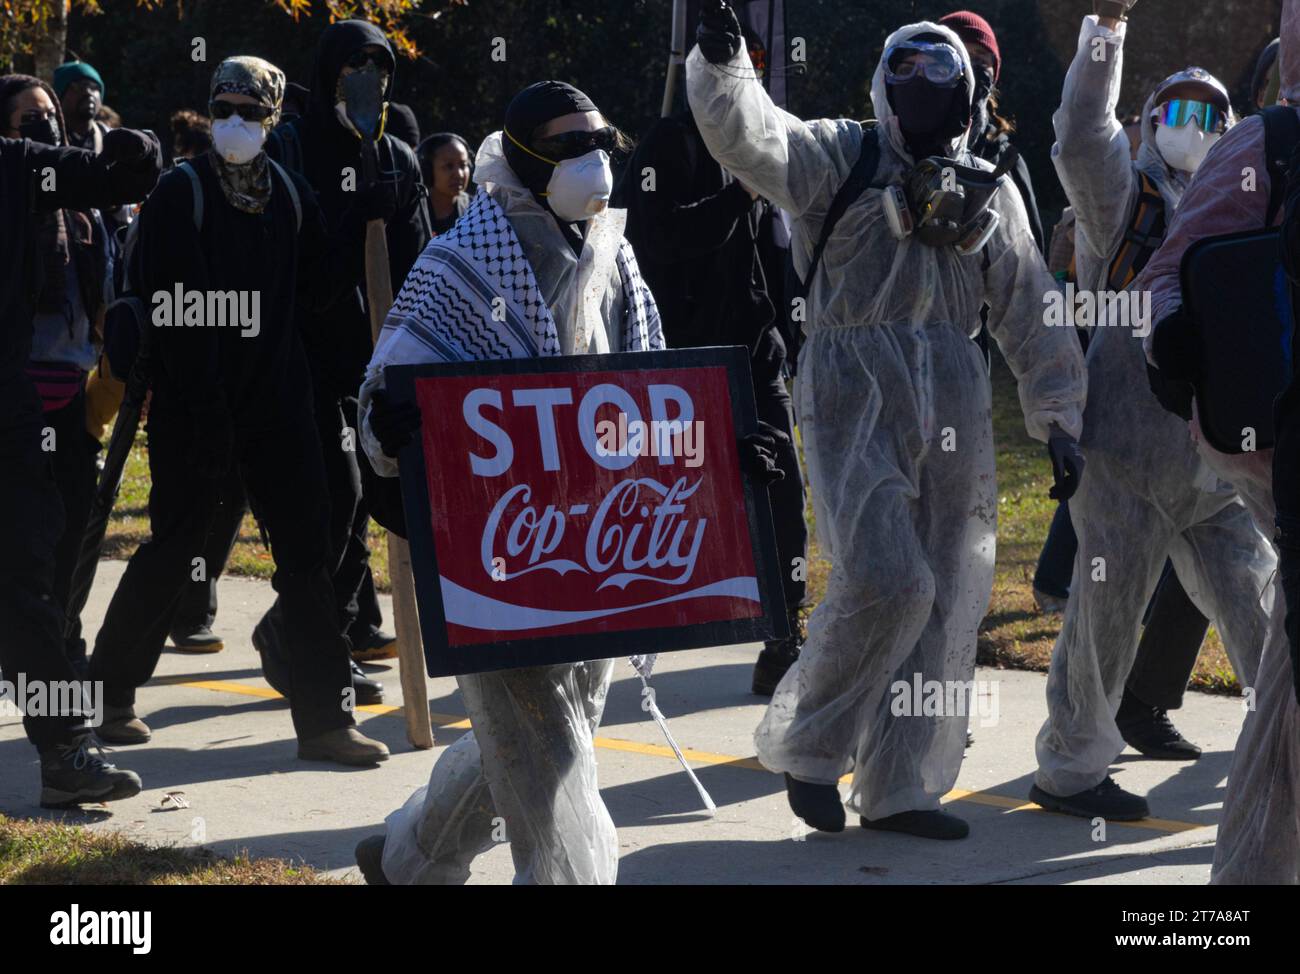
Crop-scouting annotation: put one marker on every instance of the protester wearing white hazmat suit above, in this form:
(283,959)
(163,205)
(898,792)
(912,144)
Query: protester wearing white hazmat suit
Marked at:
(527,772)
(1259,833)
(1147,494)
(894,404)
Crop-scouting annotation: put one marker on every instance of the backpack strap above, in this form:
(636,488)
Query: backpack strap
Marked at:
(1142,238)
(292,190)
(1281,134)
(859,178)
(197,188)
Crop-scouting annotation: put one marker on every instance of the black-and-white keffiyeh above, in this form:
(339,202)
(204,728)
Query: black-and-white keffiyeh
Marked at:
(448,308)
(472,296)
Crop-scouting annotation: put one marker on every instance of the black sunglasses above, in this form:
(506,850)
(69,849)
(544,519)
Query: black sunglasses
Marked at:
(361,58)
(248,112)
(570,145)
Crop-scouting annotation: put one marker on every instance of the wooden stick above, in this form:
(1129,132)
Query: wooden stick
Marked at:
(406,617)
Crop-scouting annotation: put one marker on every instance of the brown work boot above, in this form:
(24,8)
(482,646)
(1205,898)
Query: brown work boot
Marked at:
(121,726)
(343,745)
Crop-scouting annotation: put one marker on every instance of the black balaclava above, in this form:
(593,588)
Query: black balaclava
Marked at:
(930,116)
(531,108)
(337,43)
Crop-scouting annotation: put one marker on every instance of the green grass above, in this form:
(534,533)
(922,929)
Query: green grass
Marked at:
(39,852)
(1014,633)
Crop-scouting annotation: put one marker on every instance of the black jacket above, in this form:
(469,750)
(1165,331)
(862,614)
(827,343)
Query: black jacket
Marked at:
(321,149)
(257,382)
(697,236)
(34,178)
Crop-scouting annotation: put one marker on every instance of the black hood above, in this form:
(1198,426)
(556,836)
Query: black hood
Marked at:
(338,43)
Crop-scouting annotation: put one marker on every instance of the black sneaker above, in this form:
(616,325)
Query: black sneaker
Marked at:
(370,860)
(1107,800)
(818,805)
(72,775)
(375,644)
(367,690)
(776,657)
(1149,731)
(197,639)
(929,824)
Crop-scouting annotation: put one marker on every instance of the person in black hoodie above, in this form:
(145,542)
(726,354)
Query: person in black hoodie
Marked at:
(706,246)
(232,223)
(323,147)
(38,178)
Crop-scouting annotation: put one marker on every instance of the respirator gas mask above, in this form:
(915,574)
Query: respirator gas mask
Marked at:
(943,203)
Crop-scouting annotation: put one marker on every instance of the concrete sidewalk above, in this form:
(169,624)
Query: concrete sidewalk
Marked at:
(223,738)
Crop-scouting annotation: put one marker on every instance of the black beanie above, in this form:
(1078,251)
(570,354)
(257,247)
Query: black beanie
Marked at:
(533,107)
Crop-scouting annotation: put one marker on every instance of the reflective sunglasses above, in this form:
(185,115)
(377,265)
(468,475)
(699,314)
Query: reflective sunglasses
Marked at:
(570,145)
(1179,111)
(249,113)
(940,64)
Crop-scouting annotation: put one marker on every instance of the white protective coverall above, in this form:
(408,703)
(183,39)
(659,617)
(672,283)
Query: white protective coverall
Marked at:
(1146,493)
(1259,834)
(894,404)
(529,762)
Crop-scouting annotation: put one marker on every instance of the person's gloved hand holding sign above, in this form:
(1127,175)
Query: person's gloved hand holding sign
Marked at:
(718,34)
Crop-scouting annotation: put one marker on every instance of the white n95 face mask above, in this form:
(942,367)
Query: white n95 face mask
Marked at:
(1185,147)
(236,140)
(579,188)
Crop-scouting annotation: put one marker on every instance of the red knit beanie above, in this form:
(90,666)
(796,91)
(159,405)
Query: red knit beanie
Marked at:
(972,27)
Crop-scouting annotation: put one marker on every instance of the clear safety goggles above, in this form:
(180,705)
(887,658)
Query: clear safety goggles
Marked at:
(940,64)
(1179,111)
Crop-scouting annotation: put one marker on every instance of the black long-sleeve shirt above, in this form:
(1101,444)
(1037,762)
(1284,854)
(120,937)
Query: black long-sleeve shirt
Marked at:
(258,381)
(39,178)
(694,234)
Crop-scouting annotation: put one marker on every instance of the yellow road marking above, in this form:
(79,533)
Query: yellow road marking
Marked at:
(456,722)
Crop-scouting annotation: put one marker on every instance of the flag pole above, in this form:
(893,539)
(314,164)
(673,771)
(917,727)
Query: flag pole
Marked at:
(676,56)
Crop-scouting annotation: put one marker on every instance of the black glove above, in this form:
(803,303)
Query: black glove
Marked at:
(378,201)
(1175,395)
(1067,464)
(212,450)
(758,454)
(718,33)
(131,148)
(1113,8)
(394,424)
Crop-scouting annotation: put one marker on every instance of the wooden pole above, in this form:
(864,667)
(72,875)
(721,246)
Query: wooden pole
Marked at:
(406,618)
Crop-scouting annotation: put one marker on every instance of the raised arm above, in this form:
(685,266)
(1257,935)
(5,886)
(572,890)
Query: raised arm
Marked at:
(795,164)
(1091,153)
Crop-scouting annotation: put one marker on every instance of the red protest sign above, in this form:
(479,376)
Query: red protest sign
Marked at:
(575,508)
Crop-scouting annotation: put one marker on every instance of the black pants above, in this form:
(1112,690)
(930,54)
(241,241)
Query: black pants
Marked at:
(772,400)
(198,605)
(1171,641)
(73,466)
(1286,496)
(356,602)
(283,474)
(31,618)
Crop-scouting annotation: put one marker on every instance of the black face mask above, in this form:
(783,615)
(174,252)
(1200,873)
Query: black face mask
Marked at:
(42,130)
(929,115)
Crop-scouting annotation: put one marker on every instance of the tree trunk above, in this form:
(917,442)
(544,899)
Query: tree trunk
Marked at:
(48,52)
